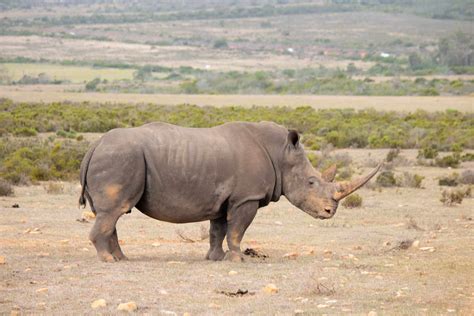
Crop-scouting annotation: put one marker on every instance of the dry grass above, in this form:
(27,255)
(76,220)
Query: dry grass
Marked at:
(35,93)
(74,74)
(345,265)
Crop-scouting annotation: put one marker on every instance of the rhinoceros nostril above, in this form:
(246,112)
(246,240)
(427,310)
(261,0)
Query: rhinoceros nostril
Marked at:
(328,210)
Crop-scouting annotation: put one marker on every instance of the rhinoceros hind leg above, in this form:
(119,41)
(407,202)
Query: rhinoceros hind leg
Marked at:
(115,248)
(101,235)
(217,233)
(238,220)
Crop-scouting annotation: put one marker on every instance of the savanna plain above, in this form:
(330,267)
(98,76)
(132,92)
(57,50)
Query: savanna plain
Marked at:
(362,81)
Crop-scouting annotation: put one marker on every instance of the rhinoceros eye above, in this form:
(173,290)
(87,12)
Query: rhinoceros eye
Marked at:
(311,180)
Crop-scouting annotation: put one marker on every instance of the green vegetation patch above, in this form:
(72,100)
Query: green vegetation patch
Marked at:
(342,128)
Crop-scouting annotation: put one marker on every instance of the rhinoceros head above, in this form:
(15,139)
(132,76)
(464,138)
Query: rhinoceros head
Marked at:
(307,189)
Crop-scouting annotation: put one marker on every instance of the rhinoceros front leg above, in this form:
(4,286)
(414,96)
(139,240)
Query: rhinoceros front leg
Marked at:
(238,220)
(217,233)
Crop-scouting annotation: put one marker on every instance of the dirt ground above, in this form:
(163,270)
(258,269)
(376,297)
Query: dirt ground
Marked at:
(351,264)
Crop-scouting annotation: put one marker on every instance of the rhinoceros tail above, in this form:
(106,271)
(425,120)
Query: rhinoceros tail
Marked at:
(84,168)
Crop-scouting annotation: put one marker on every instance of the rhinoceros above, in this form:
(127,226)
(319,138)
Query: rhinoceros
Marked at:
(222,174)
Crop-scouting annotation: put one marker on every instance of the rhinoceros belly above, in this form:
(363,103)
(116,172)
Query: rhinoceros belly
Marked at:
(187,180)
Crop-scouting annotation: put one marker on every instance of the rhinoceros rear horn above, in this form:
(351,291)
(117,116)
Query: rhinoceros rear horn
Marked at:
(347,187)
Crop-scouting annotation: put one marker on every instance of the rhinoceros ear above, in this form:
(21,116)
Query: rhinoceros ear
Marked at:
(293,138)
(329,174)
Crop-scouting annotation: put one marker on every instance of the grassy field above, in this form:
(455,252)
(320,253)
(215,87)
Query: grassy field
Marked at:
(50,93)
(352,264)
(73,74)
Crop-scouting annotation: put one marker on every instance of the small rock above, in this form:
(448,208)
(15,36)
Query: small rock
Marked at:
(99,303)
(15,312)
(270,289)
(88,215)
(322,305)
(163,292)
(429,249)
(372,313)
(156,244)
(42,290)
(127,307)
(298,311)
(165,312)
(64,241)
(278,223)
(214,305)
(16,205)
(232,272)
(309,252)
(176,262)
(416,243)
(43,254)
(291,255)
(2,260)
(186,314)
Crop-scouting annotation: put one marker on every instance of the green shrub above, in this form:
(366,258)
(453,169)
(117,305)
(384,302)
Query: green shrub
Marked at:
(66,134)
(428,152)
(92,85)
(220,43)
(352,201)
(451,180)
(6,189)
(25,131)
(392,154)
(467,157)
(409,180)
(451,161)
(386,179)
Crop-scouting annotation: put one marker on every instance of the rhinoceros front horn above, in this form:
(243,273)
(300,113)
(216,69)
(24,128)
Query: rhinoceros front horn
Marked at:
(347,187)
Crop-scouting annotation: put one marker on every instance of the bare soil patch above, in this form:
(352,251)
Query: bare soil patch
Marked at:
(349,264)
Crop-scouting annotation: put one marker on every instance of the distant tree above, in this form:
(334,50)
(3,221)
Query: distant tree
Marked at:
(457,50)
(92,85)
(415,61)
(221,43)
(143,74)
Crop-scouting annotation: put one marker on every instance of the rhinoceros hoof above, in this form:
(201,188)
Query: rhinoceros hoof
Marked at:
(107,257)
(233,256)
(215,255)
(120,257)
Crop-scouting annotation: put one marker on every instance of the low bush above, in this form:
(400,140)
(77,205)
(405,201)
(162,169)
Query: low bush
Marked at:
(409,180)
(454,196)
(392,154)
(451,161)
(6,189)
(428,152)
(467,177)
(451,180)
(25,131)
(352,201)
(386,179)
(22,162)
(54,187)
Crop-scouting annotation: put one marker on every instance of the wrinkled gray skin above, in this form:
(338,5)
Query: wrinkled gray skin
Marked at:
(181,175)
